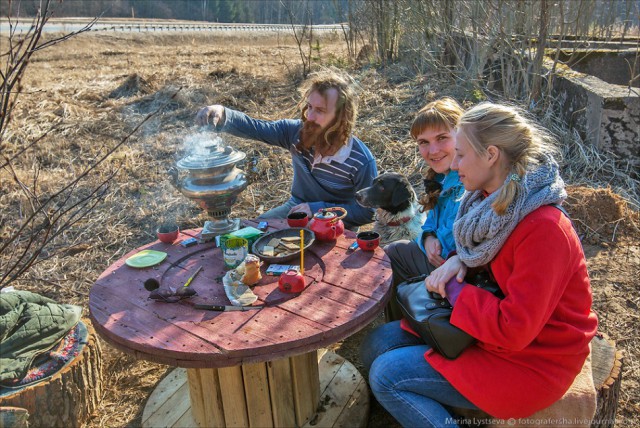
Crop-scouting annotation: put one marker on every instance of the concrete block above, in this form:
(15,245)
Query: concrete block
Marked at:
(605,115)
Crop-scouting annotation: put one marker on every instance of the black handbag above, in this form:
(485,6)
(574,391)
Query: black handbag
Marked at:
(429,314)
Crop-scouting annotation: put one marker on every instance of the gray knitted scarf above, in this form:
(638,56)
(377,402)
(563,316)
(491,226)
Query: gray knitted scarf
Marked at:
(480,233)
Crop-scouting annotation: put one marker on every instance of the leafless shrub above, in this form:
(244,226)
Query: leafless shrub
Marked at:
(46,209)
(494,45)
(303,34)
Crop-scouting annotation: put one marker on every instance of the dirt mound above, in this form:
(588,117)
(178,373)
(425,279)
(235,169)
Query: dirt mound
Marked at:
(133,85)
(601,216)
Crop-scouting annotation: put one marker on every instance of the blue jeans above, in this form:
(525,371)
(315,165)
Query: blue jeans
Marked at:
(404,383)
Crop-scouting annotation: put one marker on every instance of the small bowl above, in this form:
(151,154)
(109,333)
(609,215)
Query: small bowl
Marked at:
(168,233)
(368,241)
(297,219)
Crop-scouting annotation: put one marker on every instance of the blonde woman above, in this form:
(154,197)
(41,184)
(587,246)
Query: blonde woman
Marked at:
(432,129)
(531,344)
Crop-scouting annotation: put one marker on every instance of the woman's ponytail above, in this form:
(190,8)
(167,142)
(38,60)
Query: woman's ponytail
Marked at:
(432,189)
(509,191)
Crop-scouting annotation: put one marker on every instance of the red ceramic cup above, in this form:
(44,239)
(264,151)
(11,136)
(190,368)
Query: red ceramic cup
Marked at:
(168,233)
(298,219)
(368,241)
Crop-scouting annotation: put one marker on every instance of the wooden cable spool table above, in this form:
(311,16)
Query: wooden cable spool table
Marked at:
(247,368)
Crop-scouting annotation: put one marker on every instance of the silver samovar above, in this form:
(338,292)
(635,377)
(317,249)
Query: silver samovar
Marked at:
(209,176)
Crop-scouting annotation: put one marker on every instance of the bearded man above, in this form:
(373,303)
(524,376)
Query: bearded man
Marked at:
(329,164)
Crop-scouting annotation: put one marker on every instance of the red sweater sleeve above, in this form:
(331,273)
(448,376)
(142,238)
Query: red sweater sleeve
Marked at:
(534,267)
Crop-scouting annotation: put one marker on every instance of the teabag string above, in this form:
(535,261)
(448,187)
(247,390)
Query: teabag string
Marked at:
(301,251)
(176,264)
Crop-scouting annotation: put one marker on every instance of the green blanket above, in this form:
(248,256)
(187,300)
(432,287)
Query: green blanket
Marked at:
(30,324)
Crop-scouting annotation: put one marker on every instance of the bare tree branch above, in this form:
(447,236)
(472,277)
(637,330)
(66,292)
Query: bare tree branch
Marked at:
(300,35)
(44,231)
(48,214)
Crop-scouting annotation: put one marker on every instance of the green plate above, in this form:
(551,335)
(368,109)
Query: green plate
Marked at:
(146,258)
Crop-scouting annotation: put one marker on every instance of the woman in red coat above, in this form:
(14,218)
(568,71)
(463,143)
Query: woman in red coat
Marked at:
(533,342)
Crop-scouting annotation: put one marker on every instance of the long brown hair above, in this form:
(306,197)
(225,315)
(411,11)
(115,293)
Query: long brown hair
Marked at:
(340,129)
(443,113)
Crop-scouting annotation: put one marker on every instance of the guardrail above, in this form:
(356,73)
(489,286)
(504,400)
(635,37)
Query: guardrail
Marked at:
(211,27)
(70,26)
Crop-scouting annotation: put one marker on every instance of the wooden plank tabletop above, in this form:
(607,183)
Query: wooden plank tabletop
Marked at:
(345,291)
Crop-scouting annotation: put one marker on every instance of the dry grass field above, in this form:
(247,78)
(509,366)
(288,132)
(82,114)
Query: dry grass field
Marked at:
(99,86)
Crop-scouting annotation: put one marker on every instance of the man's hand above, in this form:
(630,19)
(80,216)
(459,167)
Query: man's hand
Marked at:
(304,208)
(438,278)
(433,248)
(210,114)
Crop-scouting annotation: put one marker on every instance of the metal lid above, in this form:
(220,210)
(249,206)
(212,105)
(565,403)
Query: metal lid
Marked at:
(209,155)
(325,214)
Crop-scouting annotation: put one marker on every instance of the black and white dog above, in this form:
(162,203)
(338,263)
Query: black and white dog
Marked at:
(397,213)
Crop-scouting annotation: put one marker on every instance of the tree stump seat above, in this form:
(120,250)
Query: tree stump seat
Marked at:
(591,402)
(68,398)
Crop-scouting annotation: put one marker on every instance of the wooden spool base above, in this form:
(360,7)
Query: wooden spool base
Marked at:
(343,400)
(67,399)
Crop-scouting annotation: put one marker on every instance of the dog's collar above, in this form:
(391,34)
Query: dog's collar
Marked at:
(399,222)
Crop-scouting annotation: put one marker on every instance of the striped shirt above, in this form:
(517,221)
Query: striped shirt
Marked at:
(323,185)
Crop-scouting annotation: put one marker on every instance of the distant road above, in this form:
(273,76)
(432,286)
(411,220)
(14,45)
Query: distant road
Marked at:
(146,25)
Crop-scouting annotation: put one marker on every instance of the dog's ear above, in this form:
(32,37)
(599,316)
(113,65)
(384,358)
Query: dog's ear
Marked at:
(401,193)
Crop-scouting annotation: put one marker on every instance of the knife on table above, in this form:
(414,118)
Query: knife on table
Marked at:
(225,308)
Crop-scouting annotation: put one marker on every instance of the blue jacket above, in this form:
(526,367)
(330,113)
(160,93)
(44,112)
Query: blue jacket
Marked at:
(440,219)
(323,185)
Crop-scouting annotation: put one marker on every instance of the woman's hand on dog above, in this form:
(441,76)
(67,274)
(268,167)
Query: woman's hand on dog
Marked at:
(433,247)
(438,278)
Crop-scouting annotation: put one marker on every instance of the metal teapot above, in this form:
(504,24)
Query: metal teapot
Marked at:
(327,223)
